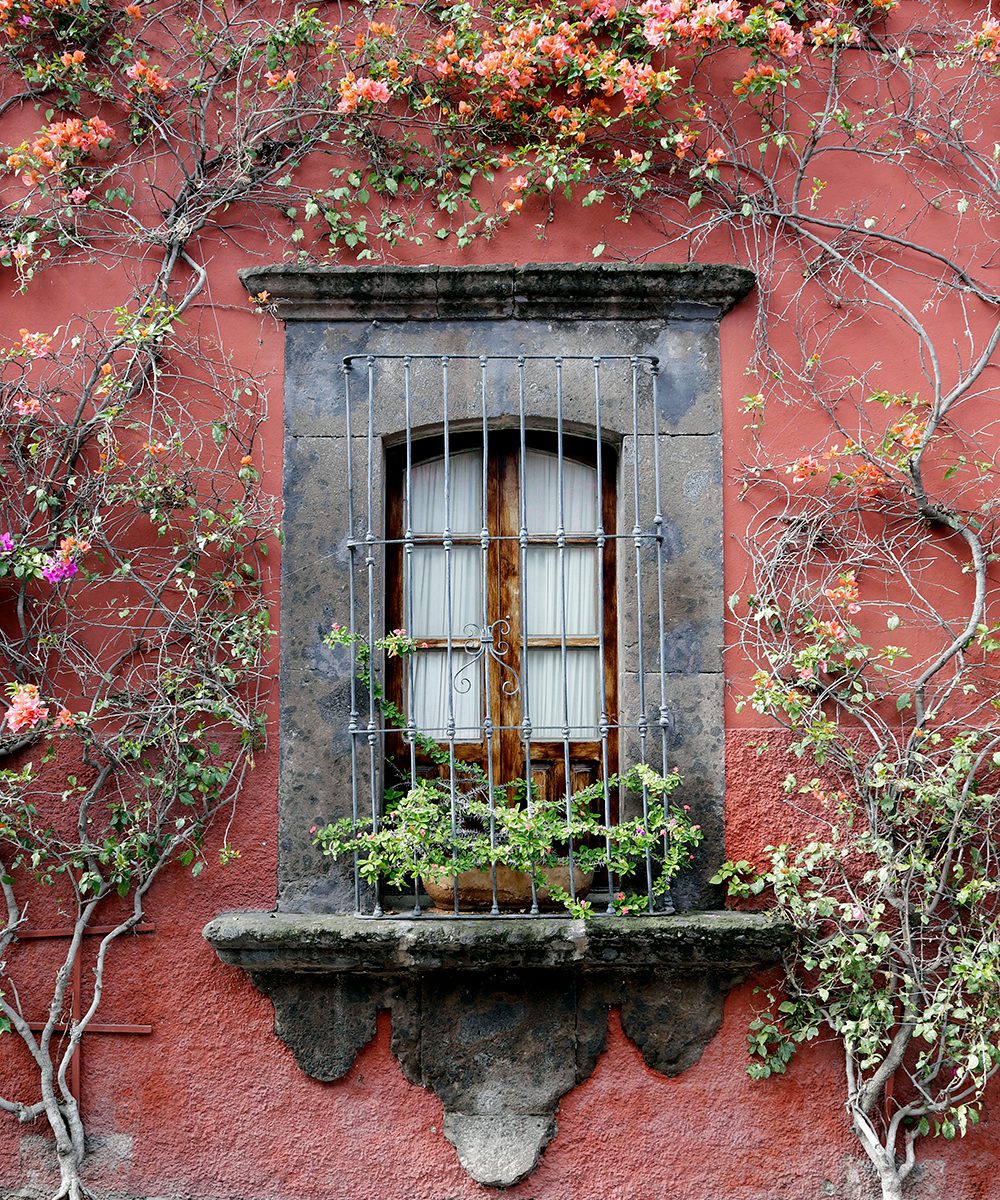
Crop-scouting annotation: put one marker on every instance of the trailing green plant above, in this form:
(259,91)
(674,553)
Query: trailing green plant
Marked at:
(424,835)
(435,830)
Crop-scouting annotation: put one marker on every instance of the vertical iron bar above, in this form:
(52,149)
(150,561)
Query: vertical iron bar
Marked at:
(487,631)
(664,716)
(370,564)
(352,548)
(522,543)
(446,542)
(637,541)
(408,665)
(599,540)
(561,544)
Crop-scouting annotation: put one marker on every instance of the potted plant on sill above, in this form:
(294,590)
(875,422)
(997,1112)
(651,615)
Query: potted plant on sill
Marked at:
(463,840)
(524,848)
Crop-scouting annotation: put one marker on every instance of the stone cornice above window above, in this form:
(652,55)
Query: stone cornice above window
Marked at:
(548,291)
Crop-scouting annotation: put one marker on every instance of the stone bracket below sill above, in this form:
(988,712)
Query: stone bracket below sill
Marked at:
(500,1017)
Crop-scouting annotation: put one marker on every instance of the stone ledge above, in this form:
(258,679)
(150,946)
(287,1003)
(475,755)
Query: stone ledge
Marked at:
(347,944)
(541,291)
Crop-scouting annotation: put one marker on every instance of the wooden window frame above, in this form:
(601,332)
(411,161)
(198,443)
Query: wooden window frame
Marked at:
(503,600)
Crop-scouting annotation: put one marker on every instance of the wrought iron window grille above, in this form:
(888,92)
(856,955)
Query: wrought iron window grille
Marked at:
(524,672)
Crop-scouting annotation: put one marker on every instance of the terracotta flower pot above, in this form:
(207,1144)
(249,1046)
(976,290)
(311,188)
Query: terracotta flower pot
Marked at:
(475,889)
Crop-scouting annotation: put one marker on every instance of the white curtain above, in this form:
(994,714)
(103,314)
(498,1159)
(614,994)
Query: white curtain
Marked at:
(547,702)
(428,593)
(541,487)
(430,694)
(545,591)
(465,479)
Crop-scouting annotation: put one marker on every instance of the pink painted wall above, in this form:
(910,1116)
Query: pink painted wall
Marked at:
(212,1106)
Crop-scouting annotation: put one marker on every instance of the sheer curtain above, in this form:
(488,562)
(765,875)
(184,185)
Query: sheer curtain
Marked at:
(425,586)
(552,705)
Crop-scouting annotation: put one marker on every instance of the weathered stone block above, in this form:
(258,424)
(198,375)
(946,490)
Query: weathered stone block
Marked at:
(690,501)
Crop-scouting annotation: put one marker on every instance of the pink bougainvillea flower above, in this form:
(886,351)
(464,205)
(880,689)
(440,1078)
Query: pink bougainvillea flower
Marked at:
(353,89)
(805,467)
(147,78)
(57,569)
(784,41)
(35,345)
(26,709)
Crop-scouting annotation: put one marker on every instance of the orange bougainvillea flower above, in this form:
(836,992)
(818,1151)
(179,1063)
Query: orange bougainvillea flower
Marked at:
(805,467)
(148,79)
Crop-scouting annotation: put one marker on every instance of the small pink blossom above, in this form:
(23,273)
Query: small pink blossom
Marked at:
(805,467)
(78,195)
(26,709)
(784,41)
(57,569)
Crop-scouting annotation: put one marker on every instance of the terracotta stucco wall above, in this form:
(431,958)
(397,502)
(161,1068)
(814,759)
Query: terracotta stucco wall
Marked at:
(211,1105)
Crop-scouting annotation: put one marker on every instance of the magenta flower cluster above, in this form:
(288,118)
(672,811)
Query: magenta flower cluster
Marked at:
(57,569)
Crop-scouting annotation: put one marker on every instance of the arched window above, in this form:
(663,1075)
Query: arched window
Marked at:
(501,566)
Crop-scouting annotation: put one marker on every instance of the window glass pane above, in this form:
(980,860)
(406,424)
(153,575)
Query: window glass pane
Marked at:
(430,591)
(465,480)
(545,694)
(544,594)
(430,694)
(541,486)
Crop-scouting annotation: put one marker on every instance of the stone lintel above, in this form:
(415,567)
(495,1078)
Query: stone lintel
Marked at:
(541,291)
(341,943)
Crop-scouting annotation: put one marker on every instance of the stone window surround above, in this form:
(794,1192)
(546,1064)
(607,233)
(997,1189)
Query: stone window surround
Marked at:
(527,996)
(669,312)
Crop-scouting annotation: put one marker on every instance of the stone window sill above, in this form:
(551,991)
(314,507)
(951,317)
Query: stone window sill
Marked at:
(499,1016)
(340,943)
